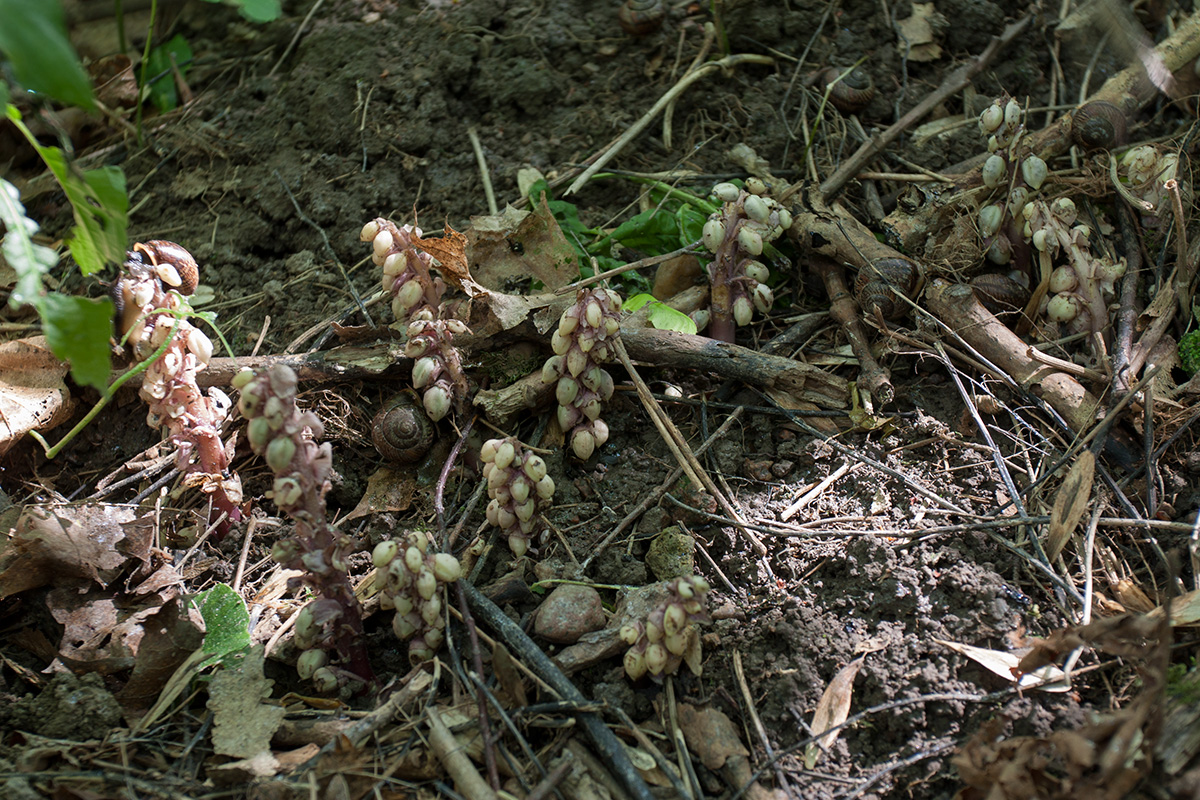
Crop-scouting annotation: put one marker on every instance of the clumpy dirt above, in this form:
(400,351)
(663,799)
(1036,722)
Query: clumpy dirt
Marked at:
(268,177)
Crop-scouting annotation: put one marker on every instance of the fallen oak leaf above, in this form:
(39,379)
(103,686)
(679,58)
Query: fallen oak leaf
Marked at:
(451,252)
(832,710)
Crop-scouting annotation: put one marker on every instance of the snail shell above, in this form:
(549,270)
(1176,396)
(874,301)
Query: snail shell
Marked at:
(876,286)
(852,93)
(1098,125)
(999,293)
(402,431)
(641,17)
(159,251)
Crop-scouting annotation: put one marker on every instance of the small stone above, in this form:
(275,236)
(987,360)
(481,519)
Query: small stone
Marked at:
(757,469)
(672,554)
(781,469)
(568,613)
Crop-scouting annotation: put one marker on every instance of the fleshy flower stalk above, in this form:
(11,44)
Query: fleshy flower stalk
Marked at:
(151,299)
(284,435)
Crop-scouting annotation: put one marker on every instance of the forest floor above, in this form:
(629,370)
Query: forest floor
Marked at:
(892,546)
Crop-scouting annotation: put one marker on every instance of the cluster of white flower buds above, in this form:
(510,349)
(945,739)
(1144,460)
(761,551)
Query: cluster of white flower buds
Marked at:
(284,435)
(519,487)
(1019,175)
(736,235)
(581,343)
(1145,170)
(406,270)
(1079,291)
(668,637)
(149,293)
(412,579)
(437,369)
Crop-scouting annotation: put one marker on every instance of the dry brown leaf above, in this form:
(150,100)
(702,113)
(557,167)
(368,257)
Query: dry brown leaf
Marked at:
(47,544)
(508,675)
(710,735)
(1070,503)
(33,395)
(242,723)
(170,636)
(1047,678)
(832,710)
(918,33)
(1185,609)
(518,245)
(387,490)
(451,253)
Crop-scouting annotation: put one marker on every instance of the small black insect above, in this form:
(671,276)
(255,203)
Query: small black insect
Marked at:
(1016,595)
(515,246)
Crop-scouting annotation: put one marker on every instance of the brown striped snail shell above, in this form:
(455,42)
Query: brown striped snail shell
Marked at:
(1098,125)
(852,93)
(999,293)
(876,286)
(402,431)
(158,251)
(641,17)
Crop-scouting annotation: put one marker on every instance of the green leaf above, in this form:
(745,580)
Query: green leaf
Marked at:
(259,10)
(256,10)
(3,94)
(34,38)
(101,210)
(77,330)
(661,315)
(653,231)
(163,92)
(226,622)
(29,260)
(637,301)
(691,223)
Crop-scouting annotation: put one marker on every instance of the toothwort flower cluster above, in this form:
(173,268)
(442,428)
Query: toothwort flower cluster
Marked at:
(284,435)
(1012,169)
(438,365)
(406,270)
(1079,291)
(735,236)
(519,487)
(412,580)
(581,343)
(668,637)
(149,294)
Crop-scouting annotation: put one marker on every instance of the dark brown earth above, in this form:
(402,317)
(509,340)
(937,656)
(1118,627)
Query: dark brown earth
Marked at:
(369,116)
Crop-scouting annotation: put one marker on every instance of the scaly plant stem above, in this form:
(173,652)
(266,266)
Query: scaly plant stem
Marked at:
(145,64)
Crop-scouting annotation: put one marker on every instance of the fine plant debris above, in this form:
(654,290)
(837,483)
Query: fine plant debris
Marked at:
(641,399)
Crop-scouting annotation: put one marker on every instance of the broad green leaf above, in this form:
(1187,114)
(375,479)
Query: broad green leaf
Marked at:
(665,318)
(34,38)
(29,260)
(101,210)
(77,330)
(691,223)
(226,621)
(654,231)
(259,10)
(162,91)
(661,315)
(637,301)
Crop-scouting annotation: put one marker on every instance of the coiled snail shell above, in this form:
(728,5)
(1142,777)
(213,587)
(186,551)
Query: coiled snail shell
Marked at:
(641,17)
(999,293)
(159,251)
(1098,125)
(852,93)
(876,286)
(402,431)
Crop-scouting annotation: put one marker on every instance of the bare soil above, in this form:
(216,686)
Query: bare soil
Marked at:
(268,178)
